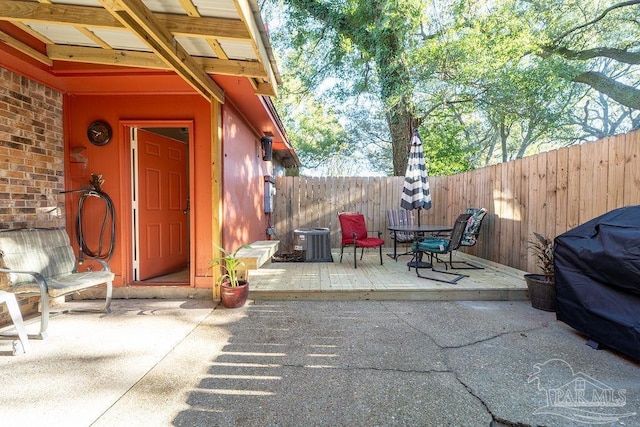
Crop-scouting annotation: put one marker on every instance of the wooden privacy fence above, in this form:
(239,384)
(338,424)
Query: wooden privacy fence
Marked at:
(549,193)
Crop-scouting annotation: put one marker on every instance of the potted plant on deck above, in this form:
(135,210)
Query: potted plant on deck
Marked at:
(542,287)
(233,290)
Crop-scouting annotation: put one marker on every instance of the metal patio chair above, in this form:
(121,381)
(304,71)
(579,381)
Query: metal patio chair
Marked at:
(470,237)
(21,346)
(401,217)
(436,245)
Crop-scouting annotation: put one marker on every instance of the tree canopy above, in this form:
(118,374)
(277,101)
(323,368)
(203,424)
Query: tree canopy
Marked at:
(483,81)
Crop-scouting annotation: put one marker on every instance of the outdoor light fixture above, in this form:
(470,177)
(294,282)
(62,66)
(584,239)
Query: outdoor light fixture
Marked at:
(267,152)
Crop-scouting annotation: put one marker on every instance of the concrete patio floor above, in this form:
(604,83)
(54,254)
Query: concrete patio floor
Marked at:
(293,363)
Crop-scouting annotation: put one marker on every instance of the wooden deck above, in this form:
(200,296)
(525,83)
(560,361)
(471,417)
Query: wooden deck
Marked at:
(390,281)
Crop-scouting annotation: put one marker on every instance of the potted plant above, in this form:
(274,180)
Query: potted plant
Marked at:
(233,290)
(542,287)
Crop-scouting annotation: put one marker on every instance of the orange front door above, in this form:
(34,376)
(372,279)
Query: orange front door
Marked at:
(162,205)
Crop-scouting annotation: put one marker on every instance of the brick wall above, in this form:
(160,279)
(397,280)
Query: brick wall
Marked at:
(31,161)
(31,154)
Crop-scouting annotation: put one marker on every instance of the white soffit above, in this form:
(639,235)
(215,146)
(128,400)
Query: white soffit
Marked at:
(120,39)
(196,46)
(238,50)
(166,6)
(219,8)
(62,34)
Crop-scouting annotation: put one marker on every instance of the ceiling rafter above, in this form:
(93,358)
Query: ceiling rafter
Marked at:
(189,7)
(93,55)
(224,28)
(265,88)
(158,30)
(247,15)
(27,50)
(217,48)
(191,10)
(128,58)
(85,31)
(98,17)
(139,19)
(27,29)
(92,36)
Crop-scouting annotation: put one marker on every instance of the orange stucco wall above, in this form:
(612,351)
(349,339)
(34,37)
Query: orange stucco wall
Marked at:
(244,220)
(243,169)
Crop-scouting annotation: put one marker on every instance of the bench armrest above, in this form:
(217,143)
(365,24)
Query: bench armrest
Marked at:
(103,263)
(42,283)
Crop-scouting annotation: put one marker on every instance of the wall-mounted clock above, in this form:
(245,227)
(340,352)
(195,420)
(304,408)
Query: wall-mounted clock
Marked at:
(99,132)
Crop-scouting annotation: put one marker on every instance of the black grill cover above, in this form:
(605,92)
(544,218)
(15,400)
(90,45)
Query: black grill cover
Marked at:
(597,267)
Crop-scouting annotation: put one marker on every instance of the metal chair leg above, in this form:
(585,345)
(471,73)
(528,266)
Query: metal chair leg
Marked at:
(432,261)
(23,346)
(355,256)
(451,262)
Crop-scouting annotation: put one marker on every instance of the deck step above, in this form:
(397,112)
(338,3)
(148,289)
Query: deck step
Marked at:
(259,254)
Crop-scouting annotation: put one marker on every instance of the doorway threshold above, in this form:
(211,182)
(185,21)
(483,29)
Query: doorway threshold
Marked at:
(177,278)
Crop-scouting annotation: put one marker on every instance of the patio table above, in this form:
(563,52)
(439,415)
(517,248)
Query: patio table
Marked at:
(419,230)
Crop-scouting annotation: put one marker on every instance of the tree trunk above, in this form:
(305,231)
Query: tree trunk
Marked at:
(385,45)
(504,135)
(400,122)
(395,92)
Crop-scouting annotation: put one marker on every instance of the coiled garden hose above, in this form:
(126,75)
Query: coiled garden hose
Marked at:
(108,219)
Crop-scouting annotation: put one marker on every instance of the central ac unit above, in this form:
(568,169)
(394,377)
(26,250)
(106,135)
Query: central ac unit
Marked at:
(315,243)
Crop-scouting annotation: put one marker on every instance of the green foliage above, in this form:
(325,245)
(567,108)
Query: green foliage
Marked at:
(445,147)
(230,262)
(542,248)
(485,81)
(347,49)
(313,128)
(318,136)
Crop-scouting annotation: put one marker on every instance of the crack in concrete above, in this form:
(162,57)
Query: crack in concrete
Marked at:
(495,420)
(501,334)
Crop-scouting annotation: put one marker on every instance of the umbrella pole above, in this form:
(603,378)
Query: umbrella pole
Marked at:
(418,263)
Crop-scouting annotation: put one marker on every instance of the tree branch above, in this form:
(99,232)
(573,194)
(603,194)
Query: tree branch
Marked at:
(596,19)
(620,55)
(626,95)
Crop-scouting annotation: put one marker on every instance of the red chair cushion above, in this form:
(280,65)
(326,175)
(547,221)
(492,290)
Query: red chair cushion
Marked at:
(352,223)
(369,242)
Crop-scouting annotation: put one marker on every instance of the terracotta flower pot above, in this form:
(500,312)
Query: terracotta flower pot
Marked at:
(542,292)
(234,296)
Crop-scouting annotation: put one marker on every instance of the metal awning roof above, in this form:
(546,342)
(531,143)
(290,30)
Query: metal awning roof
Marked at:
(194,38)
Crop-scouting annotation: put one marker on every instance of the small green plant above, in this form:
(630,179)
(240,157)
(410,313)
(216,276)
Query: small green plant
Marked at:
(542,248)
(230,262)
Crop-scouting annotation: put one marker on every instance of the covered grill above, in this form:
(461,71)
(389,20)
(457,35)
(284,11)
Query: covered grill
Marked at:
(597,267)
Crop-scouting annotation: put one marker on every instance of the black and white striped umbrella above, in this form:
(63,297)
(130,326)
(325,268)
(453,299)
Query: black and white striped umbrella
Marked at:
(415,192)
